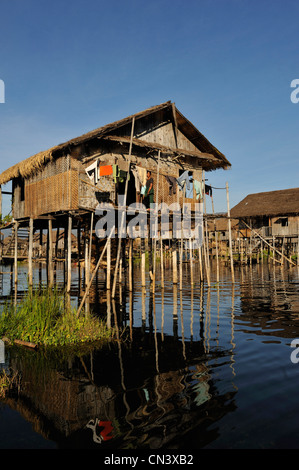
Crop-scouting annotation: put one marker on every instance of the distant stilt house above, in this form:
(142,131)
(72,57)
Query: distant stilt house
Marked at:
(60,188)
(271,216)
(273,213)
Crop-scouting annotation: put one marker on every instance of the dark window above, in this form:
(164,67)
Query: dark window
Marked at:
(284,222)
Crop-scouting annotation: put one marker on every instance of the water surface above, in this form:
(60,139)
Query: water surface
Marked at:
(198,368)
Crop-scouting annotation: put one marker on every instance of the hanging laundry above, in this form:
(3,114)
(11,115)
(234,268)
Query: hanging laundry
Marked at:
(92,172)
(142,175)
(122,175)
(172,184)
(184,180)
(105,170)
(198,189)
(137,179)
(208,190)
(115,172)
(189,191)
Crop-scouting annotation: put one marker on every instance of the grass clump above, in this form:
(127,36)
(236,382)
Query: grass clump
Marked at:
(8,382)
(44,318)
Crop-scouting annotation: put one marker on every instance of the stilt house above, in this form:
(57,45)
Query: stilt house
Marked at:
(272,214)
(73,177)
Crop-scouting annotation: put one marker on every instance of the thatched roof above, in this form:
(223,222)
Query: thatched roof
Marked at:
(32,164)
(272,203)
(221,224)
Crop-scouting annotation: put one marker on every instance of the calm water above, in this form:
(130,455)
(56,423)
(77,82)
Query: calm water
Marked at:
(201,368)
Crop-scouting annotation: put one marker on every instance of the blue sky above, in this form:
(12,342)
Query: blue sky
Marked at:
(72,66)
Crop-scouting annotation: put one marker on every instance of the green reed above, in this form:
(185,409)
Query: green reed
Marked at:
(44,317)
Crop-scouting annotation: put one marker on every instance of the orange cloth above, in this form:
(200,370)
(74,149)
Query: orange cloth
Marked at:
(105,170)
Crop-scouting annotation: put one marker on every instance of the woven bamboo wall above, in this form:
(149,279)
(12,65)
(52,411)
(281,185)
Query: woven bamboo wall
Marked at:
(55,193)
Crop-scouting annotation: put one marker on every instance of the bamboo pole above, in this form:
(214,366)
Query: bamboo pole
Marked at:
(93,274)
(16,253)
(156,221)
(30,252)
(205,247)
(162,263)
(130,265)
(69,253)
(108,276)
(90,239)
(230,236)
(143,283)
(50,253)
(216,241)
(124,210)
(86,256)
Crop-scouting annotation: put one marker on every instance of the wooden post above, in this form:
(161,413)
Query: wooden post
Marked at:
(130,264)
(50,253)
(79,243)
(40,248)
(93,275)
(230,235)
(205,241)
(108,275)
(90,240)
(162,262)
(124,210)
(16,253)
(156,222)
(86,256)
(143,262)
(174,260)
(30,252)
(69,253)
(216,241)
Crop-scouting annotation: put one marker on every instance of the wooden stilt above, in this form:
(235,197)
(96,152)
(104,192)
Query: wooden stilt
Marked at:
(174,261)
(86,256)
(16,225)
(30,252)
(90,240)
(69,253)
(57,242)
(123,213)
(130,264)
(162,263)
(230,236)
(156,222)
(191,262)
(205,239)
(93,275)
(216,241)
(143,283)
(50,254)
(40,244)
(108,275)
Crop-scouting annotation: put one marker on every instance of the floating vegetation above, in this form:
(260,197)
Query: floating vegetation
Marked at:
(43,317)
